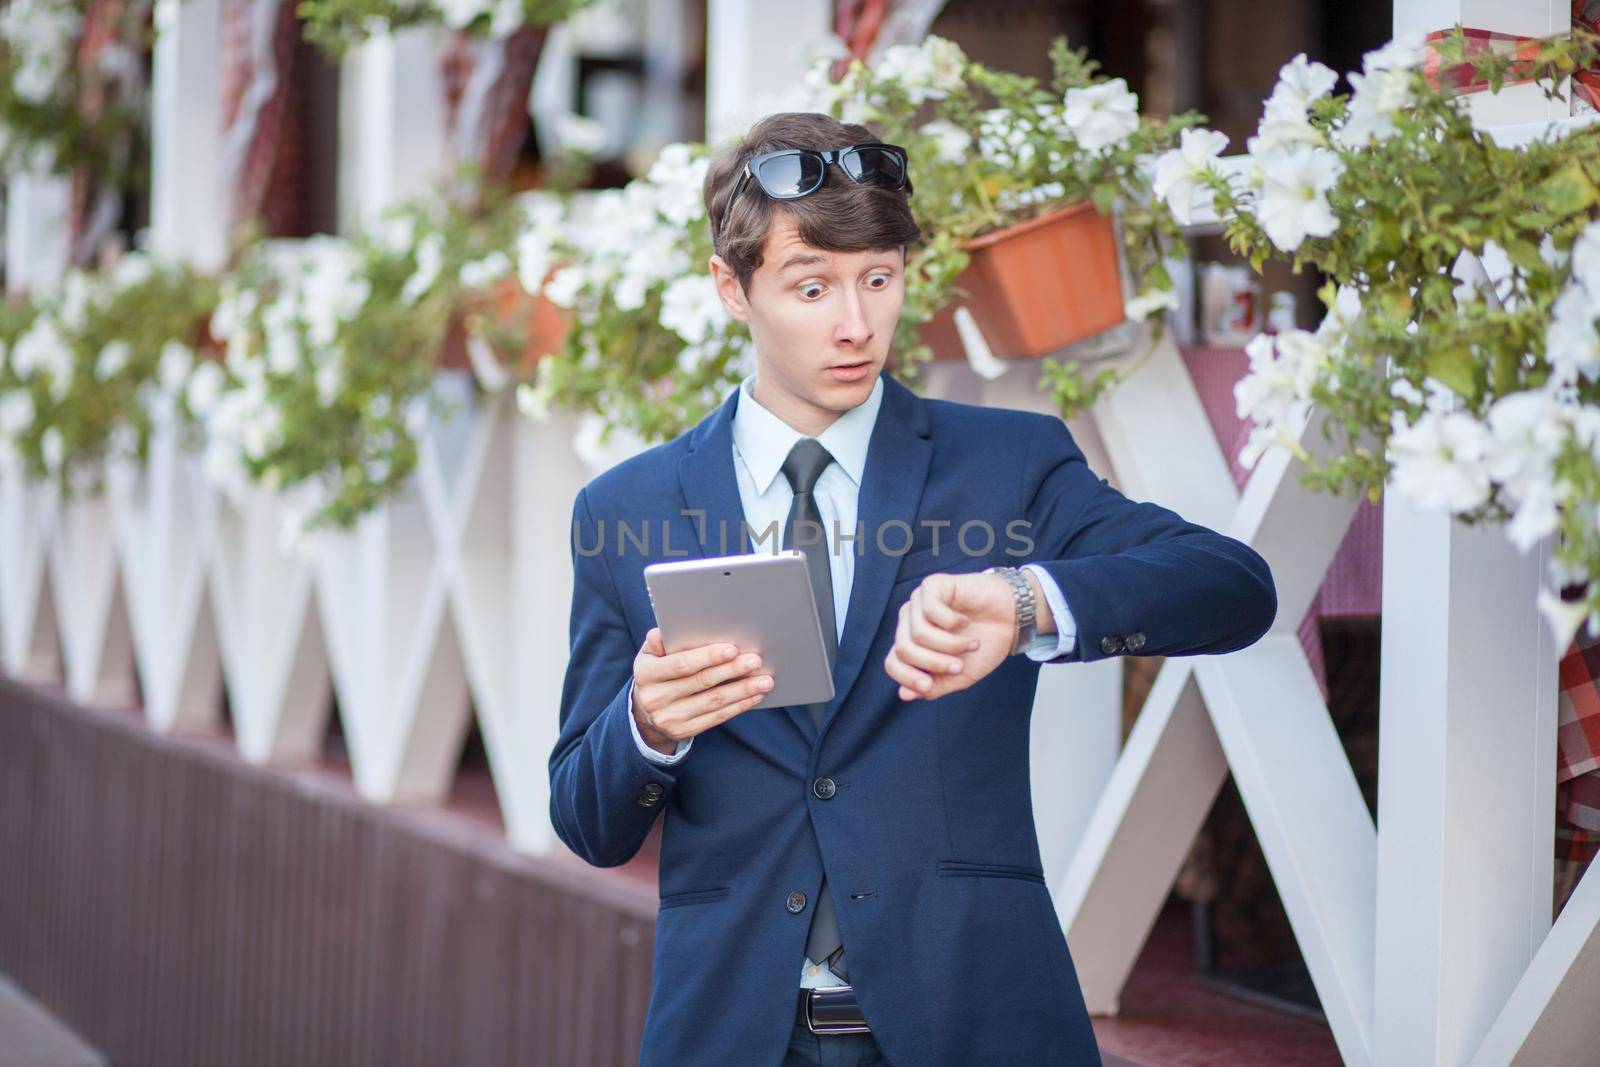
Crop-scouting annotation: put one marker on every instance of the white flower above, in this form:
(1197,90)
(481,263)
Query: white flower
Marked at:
(131,268)
(1285,118)
(395,233)
(1571,343)
(1527,430)
(325,274)
(1300,84)
(281,327)
(691,308)
(951,143)
(1439,461)
(481,273)
(42,348)
(1585,257)
(536,242)
(1275,393)
(927,71)
(1294,195)
(113,357)
(1180,171)
(565,285)
(328,379)
(679,179)
(1149,302)
(1402,53)
(40,35)
(1381,90)
(205,387)
(1537,516)
(1102,115)
(16,413)
(173,365)
(430,258)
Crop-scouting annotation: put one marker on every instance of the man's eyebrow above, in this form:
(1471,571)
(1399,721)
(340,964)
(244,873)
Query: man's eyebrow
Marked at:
(803,259)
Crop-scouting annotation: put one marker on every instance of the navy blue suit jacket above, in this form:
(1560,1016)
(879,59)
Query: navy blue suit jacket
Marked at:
(929,843)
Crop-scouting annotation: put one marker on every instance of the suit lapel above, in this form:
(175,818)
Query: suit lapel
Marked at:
(891,488)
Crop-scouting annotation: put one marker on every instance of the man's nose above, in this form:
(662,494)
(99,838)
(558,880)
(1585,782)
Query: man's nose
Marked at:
(853,327)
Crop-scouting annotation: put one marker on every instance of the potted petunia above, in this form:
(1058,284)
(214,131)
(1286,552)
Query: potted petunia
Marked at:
(650,349)
(87,369)
(1459,358)
(1035,191)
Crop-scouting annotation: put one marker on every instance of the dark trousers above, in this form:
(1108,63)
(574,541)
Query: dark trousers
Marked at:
(832,1050)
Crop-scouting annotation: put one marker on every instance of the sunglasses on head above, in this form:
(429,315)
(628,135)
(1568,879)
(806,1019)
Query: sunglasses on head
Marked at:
(790,173)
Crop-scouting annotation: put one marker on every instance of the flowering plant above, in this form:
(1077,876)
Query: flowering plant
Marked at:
(991,149)
(337,24)
(59,112)
(331,352)
(1467,394)
(651,348)
(85,372)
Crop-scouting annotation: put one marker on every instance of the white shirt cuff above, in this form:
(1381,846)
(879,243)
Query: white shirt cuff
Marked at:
(649,753)
(1049,646)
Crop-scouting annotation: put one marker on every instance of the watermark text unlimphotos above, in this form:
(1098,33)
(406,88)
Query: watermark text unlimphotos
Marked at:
(975,537)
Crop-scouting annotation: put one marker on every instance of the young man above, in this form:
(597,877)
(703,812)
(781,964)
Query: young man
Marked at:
(858,882)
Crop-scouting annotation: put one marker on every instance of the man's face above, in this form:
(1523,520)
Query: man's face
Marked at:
(822,323)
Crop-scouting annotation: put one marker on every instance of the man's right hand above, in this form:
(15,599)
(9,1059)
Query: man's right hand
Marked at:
(684,694)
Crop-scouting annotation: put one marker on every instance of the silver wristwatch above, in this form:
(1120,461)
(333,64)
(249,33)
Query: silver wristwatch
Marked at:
(1027,614)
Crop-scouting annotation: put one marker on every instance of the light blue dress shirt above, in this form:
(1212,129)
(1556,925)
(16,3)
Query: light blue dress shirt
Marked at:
(761,442)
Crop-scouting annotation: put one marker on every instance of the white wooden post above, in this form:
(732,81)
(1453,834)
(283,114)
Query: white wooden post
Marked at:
(36,232)
(392,142)
(188,201)
(1467,751)
(753,51)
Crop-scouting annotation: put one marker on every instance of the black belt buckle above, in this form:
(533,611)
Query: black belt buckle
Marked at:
(833,1009)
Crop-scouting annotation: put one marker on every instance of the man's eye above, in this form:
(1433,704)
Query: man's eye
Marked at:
(884,278)
(811,292)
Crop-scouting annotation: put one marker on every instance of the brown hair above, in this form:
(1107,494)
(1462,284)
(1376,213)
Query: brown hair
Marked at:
(842,216)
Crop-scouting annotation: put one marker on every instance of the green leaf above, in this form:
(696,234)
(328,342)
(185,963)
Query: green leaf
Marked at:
(1525,254)
(1454,366)
(1569,190)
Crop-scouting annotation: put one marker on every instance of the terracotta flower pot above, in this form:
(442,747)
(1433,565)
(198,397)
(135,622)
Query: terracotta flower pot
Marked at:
(1037,286)
(505,303)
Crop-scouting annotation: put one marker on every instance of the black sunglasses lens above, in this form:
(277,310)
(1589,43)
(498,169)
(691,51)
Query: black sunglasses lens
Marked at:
(875,166)
(789,176)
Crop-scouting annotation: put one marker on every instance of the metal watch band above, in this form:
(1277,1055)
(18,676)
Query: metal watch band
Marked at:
(1027,616)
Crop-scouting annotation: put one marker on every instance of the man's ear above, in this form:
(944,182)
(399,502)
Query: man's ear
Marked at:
(729,291)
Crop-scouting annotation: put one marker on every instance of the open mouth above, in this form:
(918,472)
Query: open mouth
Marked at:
(850,372)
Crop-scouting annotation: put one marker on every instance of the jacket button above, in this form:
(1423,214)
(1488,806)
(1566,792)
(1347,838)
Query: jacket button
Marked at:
(1135,641)
(1111,644)
(797,902)
(652,794)
(824,788)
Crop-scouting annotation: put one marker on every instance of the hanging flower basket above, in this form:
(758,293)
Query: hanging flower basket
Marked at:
(508,310)
(1037,286)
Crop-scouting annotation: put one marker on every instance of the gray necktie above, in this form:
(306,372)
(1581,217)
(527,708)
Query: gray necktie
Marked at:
(805,464)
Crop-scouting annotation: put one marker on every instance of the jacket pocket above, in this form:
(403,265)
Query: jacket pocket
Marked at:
(693,896)
(963,869)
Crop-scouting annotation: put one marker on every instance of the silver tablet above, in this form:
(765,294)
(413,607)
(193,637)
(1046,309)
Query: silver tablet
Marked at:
(760,602)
